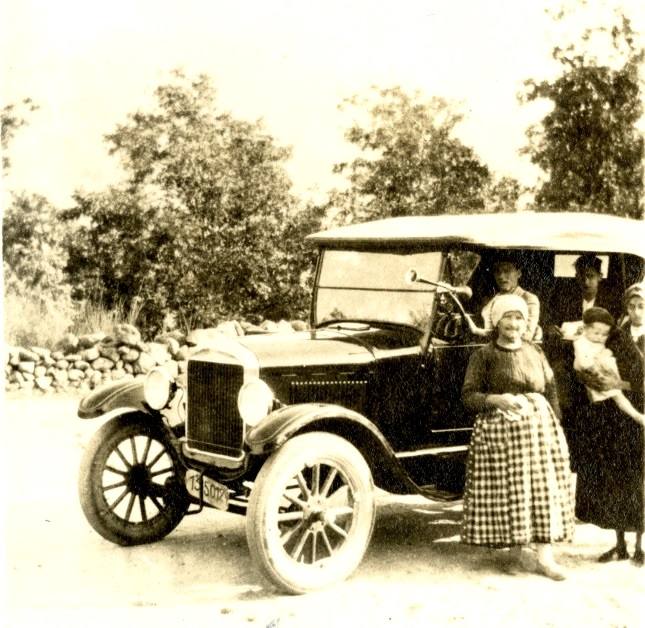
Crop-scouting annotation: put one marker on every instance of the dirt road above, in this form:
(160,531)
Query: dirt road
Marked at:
(61,573)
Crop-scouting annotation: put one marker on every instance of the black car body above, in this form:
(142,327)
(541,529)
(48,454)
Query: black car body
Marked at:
(296,430)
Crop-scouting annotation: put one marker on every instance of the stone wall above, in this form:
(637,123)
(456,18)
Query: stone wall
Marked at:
(85,362)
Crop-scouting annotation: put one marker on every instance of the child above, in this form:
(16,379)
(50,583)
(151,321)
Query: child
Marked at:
(592,357)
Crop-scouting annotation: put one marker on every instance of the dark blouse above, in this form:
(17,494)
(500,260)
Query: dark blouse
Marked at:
(631,362)
(497,370)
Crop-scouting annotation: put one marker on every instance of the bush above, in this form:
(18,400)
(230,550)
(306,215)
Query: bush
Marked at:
(32,320)
(91,317)
(35,320)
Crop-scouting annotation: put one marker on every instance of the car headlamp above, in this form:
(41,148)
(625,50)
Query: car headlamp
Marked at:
(254,401)
(157,388)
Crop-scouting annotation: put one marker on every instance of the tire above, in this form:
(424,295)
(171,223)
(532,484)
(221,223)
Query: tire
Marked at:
(311,513)
(130,485)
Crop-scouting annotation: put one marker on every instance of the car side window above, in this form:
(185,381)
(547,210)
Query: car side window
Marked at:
(449,324)
(460,266)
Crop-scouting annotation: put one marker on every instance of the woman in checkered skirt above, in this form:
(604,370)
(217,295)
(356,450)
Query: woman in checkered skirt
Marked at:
(518,479)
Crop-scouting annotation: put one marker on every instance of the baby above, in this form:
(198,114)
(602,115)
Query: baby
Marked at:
(592,357)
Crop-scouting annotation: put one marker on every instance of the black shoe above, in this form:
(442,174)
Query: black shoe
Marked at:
(615,553)
(638,557)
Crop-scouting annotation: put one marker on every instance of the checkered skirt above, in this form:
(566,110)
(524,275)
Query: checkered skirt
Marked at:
(518,479)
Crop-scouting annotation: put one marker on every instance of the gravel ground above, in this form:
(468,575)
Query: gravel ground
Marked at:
(60,573)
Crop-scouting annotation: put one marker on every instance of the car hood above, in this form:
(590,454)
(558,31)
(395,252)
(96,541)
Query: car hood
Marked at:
(307,348)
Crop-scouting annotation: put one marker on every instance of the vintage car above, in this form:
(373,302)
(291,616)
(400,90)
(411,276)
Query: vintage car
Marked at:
(296,431)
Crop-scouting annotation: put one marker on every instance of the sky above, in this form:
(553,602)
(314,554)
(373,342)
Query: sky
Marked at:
(87,65)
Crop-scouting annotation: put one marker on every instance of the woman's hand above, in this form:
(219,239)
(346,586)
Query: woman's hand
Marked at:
(601,380)
(506,402)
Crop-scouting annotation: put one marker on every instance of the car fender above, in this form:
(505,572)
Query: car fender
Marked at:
(282,424)
(120,397)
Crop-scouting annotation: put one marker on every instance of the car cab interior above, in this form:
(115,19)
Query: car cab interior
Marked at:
(549,275)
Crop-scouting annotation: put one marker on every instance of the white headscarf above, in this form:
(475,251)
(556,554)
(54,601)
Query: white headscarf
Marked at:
(635,290)
(504,303)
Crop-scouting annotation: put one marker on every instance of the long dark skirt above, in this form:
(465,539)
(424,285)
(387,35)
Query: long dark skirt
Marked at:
(610,486)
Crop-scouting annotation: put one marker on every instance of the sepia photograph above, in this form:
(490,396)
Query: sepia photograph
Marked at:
(323,313)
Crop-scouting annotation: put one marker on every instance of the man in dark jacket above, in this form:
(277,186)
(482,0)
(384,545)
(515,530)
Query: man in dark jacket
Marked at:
(590,292)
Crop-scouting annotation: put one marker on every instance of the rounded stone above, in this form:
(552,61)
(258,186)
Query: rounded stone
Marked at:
(44,383)
(144,363)
(102,364)
(67,344)
(89,340)
(27,366)
(131,355)
(111,353)
(158,352)
(91,354)
(75,375)
(28,356)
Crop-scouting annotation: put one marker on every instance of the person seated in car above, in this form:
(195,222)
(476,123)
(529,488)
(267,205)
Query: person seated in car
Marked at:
(589,291)
(507,273)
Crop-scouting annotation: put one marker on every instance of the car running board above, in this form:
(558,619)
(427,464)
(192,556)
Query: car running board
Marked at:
(439,450)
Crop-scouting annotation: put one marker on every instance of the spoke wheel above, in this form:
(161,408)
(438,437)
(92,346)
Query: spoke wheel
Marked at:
(311,513)
(130,487)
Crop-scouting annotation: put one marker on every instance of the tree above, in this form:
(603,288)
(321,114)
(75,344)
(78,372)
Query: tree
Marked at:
(201,225)
(37,302)
(11,119)
(589,145)
(33,257)
(32,234)
(502,194)
(110,249)
(410,163)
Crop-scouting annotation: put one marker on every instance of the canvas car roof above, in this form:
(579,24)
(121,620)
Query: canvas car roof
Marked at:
(559,231)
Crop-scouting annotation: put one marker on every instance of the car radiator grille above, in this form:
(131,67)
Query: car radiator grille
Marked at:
(214,424)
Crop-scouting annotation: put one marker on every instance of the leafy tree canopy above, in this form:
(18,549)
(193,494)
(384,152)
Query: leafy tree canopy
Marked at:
(33,256)
(411,164)
(11,119)
(32,253)
(589,144)
(202,225)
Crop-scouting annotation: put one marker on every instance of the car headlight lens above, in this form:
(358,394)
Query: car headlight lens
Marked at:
(254,401)
(157,388)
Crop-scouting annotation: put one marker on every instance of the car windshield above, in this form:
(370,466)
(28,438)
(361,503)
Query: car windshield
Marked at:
(371,286)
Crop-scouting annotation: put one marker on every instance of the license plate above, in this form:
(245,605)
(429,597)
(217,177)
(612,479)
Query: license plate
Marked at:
(214,493)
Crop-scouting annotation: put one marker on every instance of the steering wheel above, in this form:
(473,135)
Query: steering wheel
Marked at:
(448,321)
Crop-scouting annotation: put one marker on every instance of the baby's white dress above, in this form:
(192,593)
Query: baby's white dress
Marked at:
(595,357)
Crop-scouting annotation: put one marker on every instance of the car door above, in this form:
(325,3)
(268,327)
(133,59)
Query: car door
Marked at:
(450,346)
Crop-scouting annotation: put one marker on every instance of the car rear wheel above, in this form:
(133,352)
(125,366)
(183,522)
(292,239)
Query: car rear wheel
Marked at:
(130,487)
(311,513)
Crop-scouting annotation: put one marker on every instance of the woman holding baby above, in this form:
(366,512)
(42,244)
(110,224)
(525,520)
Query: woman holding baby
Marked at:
(518,481)
(610,485)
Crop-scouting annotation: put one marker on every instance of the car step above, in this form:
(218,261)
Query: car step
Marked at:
(437,494)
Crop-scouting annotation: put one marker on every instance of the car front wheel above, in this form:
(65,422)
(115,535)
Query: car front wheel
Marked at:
(311,513)
(130,484)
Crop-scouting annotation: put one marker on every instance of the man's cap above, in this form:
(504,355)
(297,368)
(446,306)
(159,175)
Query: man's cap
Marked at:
(505,257)
(588,260)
